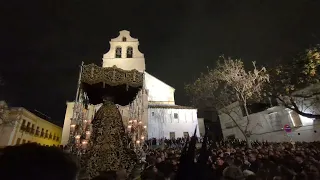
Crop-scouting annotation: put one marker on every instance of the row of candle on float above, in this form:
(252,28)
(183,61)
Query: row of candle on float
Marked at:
(134,122)
(130,126)
(74,125)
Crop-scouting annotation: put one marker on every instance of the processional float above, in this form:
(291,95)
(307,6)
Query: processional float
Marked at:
(102,143)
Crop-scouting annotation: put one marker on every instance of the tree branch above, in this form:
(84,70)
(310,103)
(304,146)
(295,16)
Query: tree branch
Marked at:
(295,108)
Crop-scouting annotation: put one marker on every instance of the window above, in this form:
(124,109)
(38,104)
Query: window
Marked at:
(23,124)
(46,135)
(118,52)
(23,141)
(28,127)
(295,119)
(129,52)
(124,39)
(54,137)
(18,141)
(185,134)
(42,132)
(32,129)
(57,138)
(175,115)
(152,113)
(50,136)
(229,125)
(37,131)
(172,135)
(231,137)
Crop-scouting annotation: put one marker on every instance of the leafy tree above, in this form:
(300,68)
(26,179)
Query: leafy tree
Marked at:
(4,113)
(229,83)
(6,119)
(295,84)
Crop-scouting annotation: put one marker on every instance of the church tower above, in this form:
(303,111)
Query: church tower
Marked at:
(124,53)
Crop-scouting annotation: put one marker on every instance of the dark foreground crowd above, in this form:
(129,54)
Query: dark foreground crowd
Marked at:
(229,160)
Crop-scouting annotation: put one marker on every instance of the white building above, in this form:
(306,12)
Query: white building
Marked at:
(268,125)
(163,117)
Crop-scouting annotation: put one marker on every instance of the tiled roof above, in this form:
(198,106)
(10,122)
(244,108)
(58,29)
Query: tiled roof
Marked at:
(164,106)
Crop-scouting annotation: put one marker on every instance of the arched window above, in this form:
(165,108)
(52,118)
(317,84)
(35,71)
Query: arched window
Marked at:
(118,52)
(129,52)
(124,39)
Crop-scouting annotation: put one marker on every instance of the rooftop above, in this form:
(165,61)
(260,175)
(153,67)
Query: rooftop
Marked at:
(164,106)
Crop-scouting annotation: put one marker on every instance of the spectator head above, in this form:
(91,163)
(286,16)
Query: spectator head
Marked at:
(220,161)
(233,173)
(32,161)
(252,157)
(299,158)
(159,159)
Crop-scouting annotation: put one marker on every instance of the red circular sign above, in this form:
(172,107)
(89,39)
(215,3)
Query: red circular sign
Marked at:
(287,128)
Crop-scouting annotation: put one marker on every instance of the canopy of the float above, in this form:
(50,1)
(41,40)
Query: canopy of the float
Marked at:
(114,82)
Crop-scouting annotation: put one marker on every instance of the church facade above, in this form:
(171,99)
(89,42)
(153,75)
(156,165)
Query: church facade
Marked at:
(155,104)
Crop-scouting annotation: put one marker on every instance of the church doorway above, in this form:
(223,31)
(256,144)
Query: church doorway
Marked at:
(185,134)
(172,135)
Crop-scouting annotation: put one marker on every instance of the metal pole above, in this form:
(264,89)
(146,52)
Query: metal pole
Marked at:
(79,82)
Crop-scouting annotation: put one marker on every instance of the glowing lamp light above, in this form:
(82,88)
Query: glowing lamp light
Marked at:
(142,137)
(87,132)
(138,142)
(77,136)
(130,121)
(85,121)
(129,127)
(140,122)
(84,142)
(73,125)
(134,121)
(145,127)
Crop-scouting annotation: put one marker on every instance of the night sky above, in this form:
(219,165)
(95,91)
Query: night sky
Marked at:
(42,44)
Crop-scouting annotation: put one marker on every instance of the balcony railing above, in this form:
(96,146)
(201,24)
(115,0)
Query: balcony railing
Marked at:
(46,135)
(41,134)
(37,133)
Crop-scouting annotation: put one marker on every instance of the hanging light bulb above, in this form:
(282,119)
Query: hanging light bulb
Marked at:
(73,125)
(140,122)
(138,142)
(142,137)
(145,127)
(129,127)
(77,136)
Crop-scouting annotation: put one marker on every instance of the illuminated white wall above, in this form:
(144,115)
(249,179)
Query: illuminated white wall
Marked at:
(268,126)
(161,122)
(136,62)
(158,91)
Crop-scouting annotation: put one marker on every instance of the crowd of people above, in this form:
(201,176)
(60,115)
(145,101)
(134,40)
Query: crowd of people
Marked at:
(176,159)
(233,160)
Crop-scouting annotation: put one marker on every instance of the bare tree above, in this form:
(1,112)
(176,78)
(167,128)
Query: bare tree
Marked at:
(228,83)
